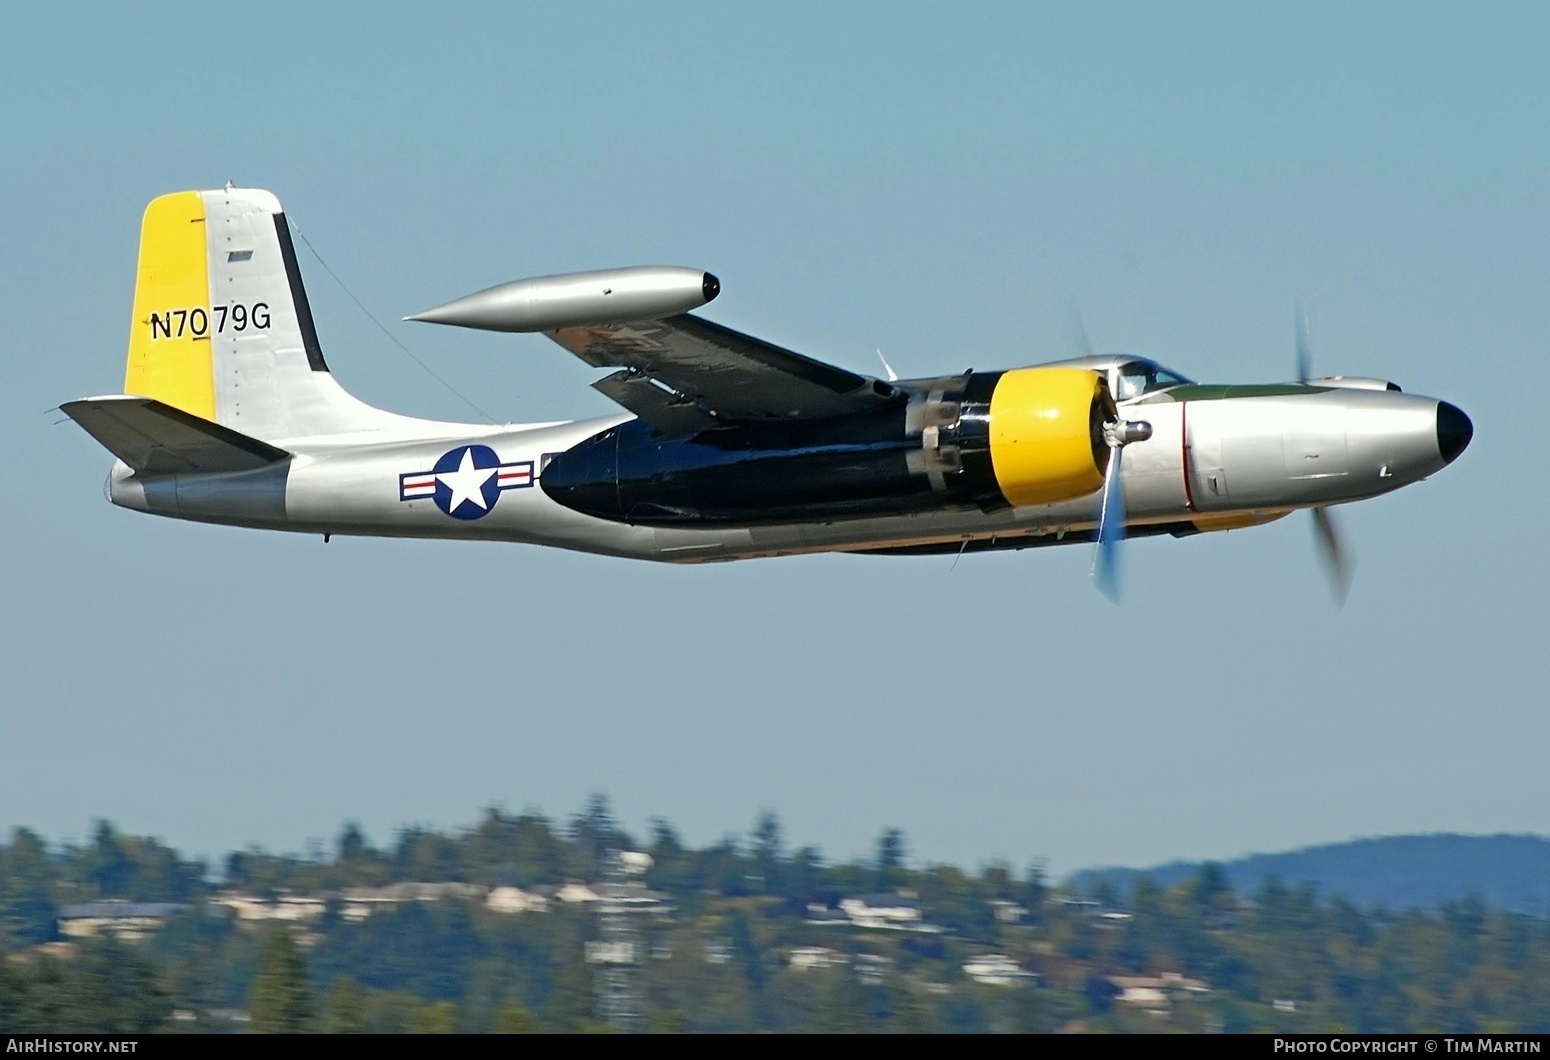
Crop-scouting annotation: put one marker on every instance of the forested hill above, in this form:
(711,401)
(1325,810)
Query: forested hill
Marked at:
(1392,872)
(527,923)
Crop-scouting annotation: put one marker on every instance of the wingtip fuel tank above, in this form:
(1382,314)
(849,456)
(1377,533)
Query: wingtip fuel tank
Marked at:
(580,299)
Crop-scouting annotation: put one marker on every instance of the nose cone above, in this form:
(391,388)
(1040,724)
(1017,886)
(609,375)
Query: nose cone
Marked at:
(1453,431)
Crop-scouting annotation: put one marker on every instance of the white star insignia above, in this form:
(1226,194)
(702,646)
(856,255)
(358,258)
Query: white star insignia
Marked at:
(467,482)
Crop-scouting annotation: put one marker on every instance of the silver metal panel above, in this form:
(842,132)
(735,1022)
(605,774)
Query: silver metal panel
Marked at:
(1391,441)
(1152,473)
(247,498)
(1317,450)
(1323,447)
(612,296)
(265,384)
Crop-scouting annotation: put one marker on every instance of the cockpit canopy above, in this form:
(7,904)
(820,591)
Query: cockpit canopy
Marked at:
(1137,376)
(1131,377)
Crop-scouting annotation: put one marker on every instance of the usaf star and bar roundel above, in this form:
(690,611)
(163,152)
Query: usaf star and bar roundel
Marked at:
(466,482)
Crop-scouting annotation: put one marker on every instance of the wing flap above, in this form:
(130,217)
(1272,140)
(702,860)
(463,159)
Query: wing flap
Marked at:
(154,438)
(668,412)
(731,375)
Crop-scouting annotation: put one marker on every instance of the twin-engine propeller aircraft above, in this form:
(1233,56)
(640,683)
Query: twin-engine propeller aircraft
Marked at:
(729,447)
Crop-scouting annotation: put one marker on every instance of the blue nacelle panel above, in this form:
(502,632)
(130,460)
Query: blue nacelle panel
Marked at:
(746,474)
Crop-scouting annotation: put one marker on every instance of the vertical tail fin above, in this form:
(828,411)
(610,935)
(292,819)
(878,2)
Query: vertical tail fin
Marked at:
(169,355)
(222,328)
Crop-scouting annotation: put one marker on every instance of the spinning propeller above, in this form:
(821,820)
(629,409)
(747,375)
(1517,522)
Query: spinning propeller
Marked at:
(1111,511)
(1118,433)
(1106,572)
(1333,554)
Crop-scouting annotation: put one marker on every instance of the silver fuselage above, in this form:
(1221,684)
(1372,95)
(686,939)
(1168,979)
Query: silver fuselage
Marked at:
(1213,461)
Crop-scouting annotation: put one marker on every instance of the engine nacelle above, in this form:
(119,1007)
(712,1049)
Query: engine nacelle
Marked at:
(1046,434)
(989,440)
(1019,438)
(579,299)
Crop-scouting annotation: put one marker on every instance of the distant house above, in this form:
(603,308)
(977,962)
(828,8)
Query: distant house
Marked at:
(356,903)
(630,897)
(603,952)
(1156,992)
(635,862)
(576,892)
(871,968)
(59,951)
(822,914)
(893,912)
(292,908)
(1149,997)
(996,969)
(1079,904)
(1008,912)
(124,920)
(361,902)
(515,900)
(882,911)
(805,958)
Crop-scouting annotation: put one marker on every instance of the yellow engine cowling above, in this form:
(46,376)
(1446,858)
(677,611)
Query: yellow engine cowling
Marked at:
(1046,434)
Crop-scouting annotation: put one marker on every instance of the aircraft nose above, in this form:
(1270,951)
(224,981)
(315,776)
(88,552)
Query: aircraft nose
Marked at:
(1453,431)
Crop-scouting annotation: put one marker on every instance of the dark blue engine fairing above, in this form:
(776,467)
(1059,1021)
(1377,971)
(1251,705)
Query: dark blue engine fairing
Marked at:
(744,473)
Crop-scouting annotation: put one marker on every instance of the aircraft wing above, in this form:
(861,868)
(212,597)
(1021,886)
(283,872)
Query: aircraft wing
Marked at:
(683,373)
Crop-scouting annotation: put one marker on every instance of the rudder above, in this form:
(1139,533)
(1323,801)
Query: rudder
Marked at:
(169,356)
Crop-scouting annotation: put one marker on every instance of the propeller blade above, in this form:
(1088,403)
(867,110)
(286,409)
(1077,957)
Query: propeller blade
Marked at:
(1111,530)
(1304,345)
(1077,343)
(1333,554)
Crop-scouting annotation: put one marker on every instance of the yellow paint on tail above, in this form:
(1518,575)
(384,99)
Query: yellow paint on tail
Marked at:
(169,337)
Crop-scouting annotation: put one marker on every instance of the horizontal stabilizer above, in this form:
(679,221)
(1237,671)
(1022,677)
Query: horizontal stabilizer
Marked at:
(155,438)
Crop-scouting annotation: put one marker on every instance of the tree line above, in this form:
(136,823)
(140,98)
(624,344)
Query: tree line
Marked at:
(1275,958)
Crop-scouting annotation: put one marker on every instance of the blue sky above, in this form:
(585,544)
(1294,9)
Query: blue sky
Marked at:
(945,186)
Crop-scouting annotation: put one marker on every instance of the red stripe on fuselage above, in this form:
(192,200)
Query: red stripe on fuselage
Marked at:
(1189,494)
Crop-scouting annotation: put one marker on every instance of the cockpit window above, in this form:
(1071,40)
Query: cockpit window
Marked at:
(1143,377)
